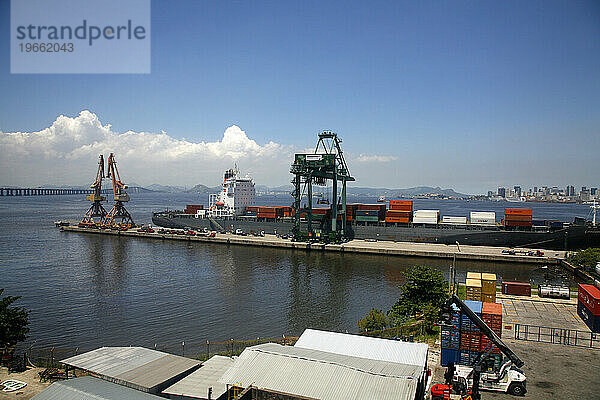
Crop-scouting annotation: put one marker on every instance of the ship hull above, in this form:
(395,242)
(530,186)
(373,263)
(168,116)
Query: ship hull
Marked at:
(571,238)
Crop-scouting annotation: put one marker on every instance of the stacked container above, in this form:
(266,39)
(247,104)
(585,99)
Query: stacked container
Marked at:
(491,314)
(430,217)
(488,288)
(483,218)
(400,211)
(451,339)
(470,335)
(193,208)
(588,306)
(447,220)
(473,289)
(370,212)
(518,217)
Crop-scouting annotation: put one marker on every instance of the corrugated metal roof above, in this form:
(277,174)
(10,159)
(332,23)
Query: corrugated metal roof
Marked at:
(138,367)
(197,383)
(87,387)
(321,375)
(365,347)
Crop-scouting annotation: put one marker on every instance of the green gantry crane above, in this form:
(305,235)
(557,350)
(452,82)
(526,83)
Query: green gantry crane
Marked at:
(326,163)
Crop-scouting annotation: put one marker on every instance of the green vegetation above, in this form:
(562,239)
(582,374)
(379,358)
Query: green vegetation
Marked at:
(13,324)
(587,258)
(422,295)
(374,321)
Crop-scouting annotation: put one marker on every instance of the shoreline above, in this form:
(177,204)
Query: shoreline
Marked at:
(410,249)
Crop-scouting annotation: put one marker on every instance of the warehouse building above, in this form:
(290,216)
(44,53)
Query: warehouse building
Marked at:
(285,372)
(202,383)
(91,388)
(139,368)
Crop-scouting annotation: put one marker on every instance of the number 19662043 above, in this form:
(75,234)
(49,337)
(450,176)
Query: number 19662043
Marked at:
(46,47)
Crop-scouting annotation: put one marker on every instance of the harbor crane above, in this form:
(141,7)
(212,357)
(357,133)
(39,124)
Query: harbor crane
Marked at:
(118,216)
(327,163)
(96,210)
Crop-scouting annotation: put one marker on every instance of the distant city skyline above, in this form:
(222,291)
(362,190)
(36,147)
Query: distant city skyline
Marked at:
(468,96)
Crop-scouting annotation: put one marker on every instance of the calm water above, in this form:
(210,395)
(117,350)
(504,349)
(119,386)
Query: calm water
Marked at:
(89,290)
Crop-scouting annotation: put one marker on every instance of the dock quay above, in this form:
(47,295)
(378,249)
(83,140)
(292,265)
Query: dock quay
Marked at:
(410,249)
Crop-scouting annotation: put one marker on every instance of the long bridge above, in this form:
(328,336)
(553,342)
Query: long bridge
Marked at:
(5,191)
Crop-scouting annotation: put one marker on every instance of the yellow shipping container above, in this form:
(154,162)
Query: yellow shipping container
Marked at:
(474,275)
(488,283)
(475,283)
(488,298)
(475,296)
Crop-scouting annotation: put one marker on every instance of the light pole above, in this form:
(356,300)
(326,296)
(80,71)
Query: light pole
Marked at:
(452,278)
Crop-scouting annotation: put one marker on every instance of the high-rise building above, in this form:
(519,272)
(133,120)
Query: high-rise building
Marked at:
(593,191)
(518,191)
(535,189)
(501,192)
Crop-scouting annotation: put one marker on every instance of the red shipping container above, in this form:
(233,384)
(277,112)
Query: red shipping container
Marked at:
(589,295)
(516,288)
(484,343)
(518,211)
(517,223)
(492,309)
(402,220)
(398,213)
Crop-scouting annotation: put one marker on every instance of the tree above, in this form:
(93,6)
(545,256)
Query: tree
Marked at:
(422,295)
(587,258)
(13,323)
(374,321)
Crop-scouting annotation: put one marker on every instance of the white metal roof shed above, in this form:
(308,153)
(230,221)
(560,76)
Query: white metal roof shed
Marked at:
(365,347)
(89,388)
(196,384)
(320,375)
(136,367)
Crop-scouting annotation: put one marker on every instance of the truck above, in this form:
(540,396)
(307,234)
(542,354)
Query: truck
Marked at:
(468,380)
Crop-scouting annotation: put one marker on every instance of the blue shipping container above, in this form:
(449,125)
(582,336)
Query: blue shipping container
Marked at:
(449,355)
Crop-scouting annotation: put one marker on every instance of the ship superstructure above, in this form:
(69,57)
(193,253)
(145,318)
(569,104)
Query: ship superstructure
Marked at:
(236,194)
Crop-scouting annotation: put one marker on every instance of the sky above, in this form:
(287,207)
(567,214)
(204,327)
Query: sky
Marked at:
(459,94)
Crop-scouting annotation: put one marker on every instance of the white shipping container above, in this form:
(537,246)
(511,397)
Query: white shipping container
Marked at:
(483,218)
(454,220)
(426,213)
(425,220)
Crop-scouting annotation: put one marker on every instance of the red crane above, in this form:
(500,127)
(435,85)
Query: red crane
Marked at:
(118,216)
(96,210)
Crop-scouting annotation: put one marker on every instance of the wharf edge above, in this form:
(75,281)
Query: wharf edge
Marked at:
(407,249)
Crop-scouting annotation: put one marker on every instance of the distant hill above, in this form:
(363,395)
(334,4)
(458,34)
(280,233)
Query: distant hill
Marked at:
(203,189)
(167,188)
(408,192)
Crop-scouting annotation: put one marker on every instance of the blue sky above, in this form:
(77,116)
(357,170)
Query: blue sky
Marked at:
(460,94)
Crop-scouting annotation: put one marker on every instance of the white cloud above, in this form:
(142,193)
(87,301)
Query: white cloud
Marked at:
(375,158)
(66,153)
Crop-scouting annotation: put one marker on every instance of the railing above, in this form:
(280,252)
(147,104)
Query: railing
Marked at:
(4,191)
(567,337)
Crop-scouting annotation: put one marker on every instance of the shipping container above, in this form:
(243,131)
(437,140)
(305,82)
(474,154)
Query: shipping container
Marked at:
(488,298)
(589,295)
(519,218)
(367,213)
(517,224)
(447,220)
(485,341)
(449,356)
(518,211)
(364,218)
(450,338)
(427,213)
(397,213)
(591,320)
(373,207)
(468,357)
(401,220)
(488,283)
(482,218)
(492,309)
(474,275)
(516,288)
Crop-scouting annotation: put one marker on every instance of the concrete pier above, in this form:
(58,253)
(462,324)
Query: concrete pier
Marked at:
(479,253)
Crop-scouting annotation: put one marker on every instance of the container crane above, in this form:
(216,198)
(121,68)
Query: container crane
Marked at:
(96,210)
(327,163)
(118,216)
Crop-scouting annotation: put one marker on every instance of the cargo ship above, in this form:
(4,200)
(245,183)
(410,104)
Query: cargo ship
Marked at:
(234,209)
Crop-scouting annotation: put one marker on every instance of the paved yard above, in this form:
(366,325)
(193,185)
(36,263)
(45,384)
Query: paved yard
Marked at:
(541,312)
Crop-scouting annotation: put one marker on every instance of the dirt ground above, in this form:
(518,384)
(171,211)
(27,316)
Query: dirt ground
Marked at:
(31,377)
